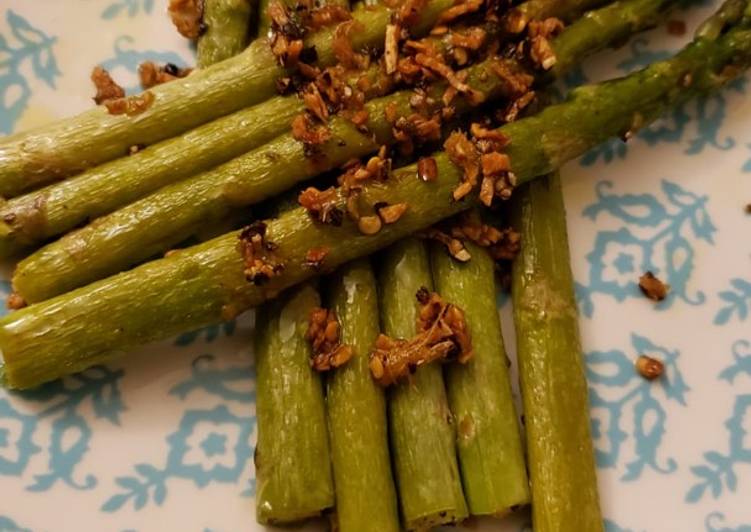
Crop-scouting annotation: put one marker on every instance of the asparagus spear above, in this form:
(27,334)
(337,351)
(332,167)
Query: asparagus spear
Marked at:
(422,432)
(293,472)
(142,229)
(490,451)
(205,284)
(227,24)
(52,152)
(39,215)
(365,493)
(551,369)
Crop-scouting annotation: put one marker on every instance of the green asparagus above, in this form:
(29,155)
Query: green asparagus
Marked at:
(365,492)
(617,20)
(551,368)
(205,284)
(34,218)
(52,152)
(42,214)
(138,231)
(154,223)
(490,451)
(293,472)
(227,24)
(421,428)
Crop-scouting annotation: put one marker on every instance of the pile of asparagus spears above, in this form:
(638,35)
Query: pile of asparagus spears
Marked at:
(443,443)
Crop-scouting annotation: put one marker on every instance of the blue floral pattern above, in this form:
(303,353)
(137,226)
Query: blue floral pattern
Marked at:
(641,55)
(612,374)
(59,401)
(612,526)
(620,256)
(8,525)
(24,45)
(715,522)
(209,333)
(737,301)
(130,8)
(720,470)
(210,445)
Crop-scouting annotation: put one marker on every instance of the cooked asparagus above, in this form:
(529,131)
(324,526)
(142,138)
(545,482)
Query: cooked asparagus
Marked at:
(488,439)
(422,431)
(155,223)
(551,369)
(205,284)
(33,218)
(293,471)
(365,492)
(52,152)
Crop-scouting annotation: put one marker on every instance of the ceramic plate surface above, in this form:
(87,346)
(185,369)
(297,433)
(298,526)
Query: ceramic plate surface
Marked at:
(165,439)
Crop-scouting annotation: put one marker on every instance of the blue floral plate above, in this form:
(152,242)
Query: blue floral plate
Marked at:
(165,441)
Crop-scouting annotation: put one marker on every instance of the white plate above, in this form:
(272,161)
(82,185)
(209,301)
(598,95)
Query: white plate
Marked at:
(164,441)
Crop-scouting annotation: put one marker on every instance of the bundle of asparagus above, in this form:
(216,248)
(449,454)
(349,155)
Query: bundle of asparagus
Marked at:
(441,442)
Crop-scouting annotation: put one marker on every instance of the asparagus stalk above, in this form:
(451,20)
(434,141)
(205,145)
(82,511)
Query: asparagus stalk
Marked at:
(52,152)
(142,229)
(293,472)
(490,450)
(422,431)
(551,369)
(365,492)
(42,214)
(205,284)
(617,21)
(227,24)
